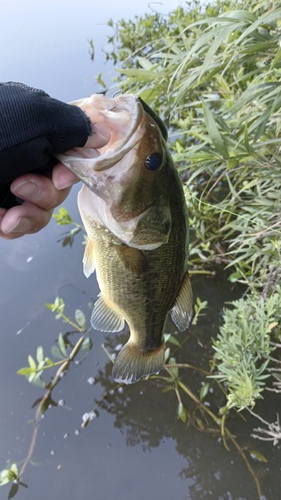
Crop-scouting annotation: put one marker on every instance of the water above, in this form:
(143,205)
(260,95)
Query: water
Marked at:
(135,447)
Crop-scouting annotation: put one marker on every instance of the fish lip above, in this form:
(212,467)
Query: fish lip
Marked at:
(118,152)
(107,156)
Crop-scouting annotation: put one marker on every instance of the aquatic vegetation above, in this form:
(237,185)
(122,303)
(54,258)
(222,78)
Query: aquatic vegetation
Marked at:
(212,72)
(65,352)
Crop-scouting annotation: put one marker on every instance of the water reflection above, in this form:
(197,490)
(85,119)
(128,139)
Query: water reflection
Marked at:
(137,436)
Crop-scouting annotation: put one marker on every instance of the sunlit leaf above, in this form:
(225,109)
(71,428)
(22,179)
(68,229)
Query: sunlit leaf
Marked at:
(32,363)
(174,341)
(40,354)
(257,455)
(49,362)
(204,390)
(167,354)
(25,371)
(173,369)
(182,414)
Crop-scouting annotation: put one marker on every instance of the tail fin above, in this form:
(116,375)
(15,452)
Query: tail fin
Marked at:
(132,363)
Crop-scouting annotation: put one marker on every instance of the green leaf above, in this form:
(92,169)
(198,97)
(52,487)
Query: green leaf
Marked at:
(168,337)
(204,391)
(276,58)
(142,74)
(32,363)
(258,456)
(174,341)
(62,345)
(145,63)
(213,132)
(25,371)
(87,344)
(167,354)
(168,388)
(49,362)
(173,369)
(14,469)
(8,475)
(63,217)
(56,352)
(40,354)
(80,318)
(182,413)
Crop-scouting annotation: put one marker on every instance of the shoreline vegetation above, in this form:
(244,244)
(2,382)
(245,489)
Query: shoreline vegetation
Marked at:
(212,72)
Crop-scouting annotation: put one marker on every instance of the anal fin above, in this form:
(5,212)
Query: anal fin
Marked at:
(182,311)
(89,258)
(104,318)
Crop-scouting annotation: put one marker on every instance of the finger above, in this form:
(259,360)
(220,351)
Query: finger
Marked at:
(100,136)
(62,177)
(24,219)
(38,190)
(3,211)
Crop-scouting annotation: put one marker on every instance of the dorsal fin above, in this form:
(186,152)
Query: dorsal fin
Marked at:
(182,311)
(89,258)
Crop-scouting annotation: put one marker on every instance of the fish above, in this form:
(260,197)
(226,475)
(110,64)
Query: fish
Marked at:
(133,209)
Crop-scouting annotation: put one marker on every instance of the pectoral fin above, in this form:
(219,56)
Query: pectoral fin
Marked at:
(89,258)
(106,319)
(182,310)
(132,258)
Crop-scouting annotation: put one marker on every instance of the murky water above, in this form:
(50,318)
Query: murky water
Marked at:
(135,447)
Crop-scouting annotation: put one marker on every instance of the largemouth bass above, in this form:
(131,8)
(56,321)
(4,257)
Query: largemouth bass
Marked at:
(133,209)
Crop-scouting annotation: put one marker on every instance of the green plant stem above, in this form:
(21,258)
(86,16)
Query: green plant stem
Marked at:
(196,271)
(186,365)
(39,410)
(71,323)
(219,422)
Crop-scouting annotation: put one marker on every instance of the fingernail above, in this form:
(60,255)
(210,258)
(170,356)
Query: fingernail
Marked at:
(61,184)
(27,190)
(22,225)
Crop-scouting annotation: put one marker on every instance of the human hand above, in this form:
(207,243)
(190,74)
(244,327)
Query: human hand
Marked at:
(41,195)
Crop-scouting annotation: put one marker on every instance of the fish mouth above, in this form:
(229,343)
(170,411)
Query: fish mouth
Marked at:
(116,121)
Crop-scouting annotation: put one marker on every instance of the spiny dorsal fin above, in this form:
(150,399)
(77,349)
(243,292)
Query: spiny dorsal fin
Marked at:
(89,258)
(132,258)
(104,318)
(132,363)
(182,310)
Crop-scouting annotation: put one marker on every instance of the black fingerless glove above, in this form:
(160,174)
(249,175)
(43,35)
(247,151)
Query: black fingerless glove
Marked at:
(34,127)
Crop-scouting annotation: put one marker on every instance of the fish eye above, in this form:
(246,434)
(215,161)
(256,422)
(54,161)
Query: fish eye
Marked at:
(153,162)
